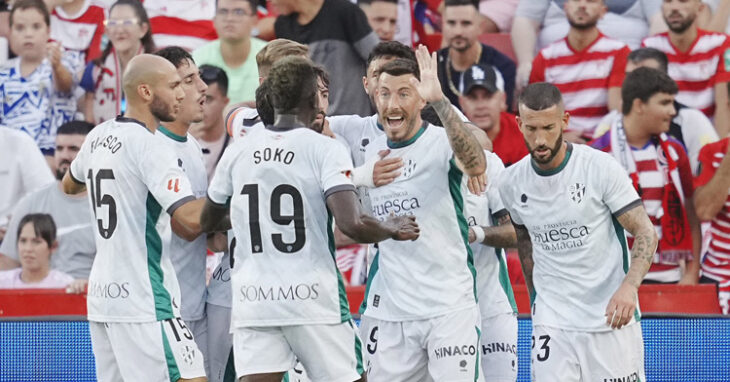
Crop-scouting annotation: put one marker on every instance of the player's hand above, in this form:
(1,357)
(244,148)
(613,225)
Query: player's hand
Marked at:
(326,129)
(405,227)
(77,286)
(622,305)
(386,170)
(477,184)
(53,52)
(429,86)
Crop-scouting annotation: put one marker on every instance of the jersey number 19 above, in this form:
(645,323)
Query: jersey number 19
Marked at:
(252,191)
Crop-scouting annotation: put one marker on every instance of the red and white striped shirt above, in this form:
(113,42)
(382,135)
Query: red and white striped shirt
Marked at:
(184,23)
(697,71)
(81,32)
(716,264)
(583,77)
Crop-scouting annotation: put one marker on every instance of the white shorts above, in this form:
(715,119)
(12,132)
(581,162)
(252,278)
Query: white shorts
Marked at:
(220,343)
(567,356)
(329,352)
(444,348)
(150,351)
(200,334)
(499,348)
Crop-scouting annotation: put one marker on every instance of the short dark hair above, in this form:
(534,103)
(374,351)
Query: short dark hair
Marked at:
(39,5)
(176,55)
(540,96)
(456,3)
(392,49)
(252,3)
(642,84)
(292,80)
(211,74)
(75,128)
(43,225)
(657,55)
(399,67)
(263,104)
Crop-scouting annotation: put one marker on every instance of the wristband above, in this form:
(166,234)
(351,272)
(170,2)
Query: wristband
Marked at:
(363,176)
(478,233)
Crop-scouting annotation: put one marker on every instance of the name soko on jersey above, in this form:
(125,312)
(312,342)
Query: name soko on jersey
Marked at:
(109,142)
(298,292)
(110,290)
(273,155)
(560,236)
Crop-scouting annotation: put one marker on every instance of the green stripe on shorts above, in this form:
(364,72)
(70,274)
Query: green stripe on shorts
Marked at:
(479,364)
(169,357)
(358,350)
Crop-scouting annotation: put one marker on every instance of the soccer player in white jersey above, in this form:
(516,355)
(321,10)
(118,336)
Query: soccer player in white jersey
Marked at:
(133,298)
(420,303)
(189,251)
(569,205)
(284,183)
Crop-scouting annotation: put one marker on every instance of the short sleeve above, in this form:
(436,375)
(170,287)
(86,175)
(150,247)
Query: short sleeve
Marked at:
(707,169)
(537,74)
(359,32)
(505,192)
(616,190)
(336,168)
(618,71)
(162,172)
(78,166)
(220,189)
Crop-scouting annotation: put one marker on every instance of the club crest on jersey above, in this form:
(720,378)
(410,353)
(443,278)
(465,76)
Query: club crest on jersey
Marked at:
(173,185)
(408,169)
(577,192)
(188,355)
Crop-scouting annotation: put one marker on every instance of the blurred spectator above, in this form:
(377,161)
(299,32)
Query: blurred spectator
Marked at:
(36,242)
(234,50)
(712,202)
(498,15)
(690,127)
(184,23)
(36,87)
(71,213)
(78,25)
(698,60)
(128,29)
(659,170)
(719,12)
(538,23)
(461,34)
(339,39)
(22,170)
(211,132)
(382,16)
(484,104)
(586,66)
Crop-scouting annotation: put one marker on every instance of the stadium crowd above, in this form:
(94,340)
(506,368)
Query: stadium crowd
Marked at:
(645,81)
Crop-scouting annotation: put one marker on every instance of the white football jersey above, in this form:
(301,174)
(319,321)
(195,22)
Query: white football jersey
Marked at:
(241,120)
(132,179)
(494,289)
(356,132)
(578,246)
(433,275)
(188,257)
(277,181)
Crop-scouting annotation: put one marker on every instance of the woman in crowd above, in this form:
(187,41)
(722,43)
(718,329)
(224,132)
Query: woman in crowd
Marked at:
(128,30)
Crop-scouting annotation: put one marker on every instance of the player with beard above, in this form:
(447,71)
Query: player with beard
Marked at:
(188,250)
(569,205)
(420,300)
(288,296)
(133,300)
(699,61)
(586,66)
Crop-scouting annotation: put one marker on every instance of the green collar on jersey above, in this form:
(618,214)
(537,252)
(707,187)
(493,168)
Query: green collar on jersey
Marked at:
(398,145)
(561,166)
(172,135)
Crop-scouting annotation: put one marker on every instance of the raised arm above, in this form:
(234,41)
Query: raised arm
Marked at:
(363,228)
(622,305)
(467,149)
(524,251)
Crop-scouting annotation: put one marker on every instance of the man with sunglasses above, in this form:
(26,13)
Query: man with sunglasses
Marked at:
(234,50)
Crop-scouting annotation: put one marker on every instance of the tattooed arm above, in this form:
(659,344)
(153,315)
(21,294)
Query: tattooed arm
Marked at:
(622,305)
(524,250)
(500,236)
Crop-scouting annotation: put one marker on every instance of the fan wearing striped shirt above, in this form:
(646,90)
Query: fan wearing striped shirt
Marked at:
(660,172)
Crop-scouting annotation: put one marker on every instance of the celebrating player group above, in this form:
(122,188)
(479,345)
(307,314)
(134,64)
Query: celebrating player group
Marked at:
(440,208)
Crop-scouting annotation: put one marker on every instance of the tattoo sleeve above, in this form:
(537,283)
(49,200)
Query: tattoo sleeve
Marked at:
(466,148)
(501,235)
(637,223)
(524,250)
